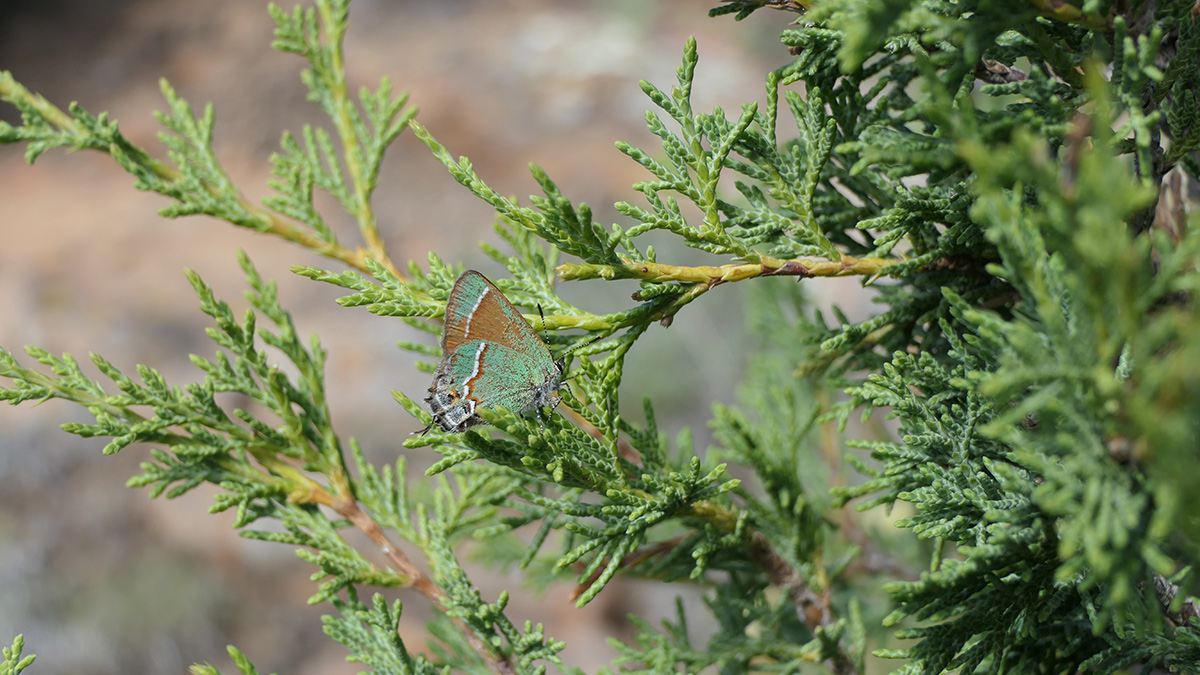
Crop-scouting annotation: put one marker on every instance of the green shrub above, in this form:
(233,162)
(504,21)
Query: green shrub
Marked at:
(991,169)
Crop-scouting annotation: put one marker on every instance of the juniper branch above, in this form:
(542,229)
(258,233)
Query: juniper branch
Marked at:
(13,663)
(341,500)
(705,278)
(48,126)
(815,606)
(712,276)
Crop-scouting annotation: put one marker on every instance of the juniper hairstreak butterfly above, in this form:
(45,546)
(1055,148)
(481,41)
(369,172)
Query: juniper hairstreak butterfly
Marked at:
(491,357)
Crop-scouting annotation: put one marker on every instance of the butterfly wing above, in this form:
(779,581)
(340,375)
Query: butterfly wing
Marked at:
(491,357)
(478,311)
(491,374)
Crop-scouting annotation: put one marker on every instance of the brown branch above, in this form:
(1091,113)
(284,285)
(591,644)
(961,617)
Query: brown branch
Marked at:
(815,608)
(349,509)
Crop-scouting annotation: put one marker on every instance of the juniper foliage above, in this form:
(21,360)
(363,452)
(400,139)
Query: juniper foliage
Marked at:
(992,170)
(13,662)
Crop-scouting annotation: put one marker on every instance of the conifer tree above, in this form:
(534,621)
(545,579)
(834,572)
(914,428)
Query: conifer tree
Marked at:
(1011,178)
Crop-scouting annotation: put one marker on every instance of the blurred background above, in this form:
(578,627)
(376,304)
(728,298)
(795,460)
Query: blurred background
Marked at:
(99,578)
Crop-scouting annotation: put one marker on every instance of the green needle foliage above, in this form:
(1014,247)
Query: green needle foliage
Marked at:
(991,170)
(13,662)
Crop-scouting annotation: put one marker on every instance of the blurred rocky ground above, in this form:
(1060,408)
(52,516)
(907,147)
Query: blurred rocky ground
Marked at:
(100,578)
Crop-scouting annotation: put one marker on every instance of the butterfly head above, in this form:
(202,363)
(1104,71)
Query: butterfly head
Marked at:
(546,395)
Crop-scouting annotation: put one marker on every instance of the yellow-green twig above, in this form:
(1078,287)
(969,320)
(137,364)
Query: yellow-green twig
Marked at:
(705,274)
(703,278)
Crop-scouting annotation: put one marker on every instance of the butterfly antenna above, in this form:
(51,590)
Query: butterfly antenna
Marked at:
(570,351)
(581,345)
(576,348)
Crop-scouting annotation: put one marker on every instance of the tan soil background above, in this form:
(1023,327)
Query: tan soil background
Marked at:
(101,579)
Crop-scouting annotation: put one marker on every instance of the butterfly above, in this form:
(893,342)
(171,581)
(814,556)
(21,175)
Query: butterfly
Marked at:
(491,357)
